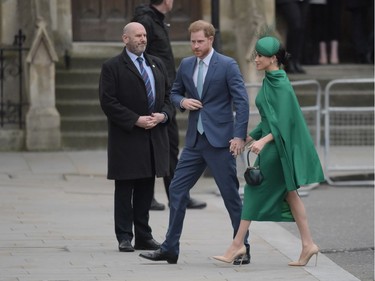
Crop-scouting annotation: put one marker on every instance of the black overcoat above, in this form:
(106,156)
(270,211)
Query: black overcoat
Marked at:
(123,98)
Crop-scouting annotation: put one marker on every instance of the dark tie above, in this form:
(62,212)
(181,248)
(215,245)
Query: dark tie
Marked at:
(199,90)
(146,79)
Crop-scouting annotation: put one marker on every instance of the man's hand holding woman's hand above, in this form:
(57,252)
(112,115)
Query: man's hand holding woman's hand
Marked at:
(236,146)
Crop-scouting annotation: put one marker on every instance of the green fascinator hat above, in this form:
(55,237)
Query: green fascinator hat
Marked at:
(267,46)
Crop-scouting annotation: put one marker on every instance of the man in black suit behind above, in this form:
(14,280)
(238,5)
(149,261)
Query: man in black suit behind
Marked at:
(134,95)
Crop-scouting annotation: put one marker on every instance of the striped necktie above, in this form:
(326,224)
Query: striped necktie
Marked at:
(146,79)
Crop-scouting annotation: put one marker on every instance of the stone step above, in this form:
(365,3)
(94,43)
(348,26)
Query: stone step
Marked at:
(78,76)
(77,91)
(84,140)
(79,108)
(84,123)
(81,63)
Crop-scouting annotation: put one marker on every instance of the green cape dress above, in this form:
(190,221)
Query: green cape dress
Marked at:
(287,162)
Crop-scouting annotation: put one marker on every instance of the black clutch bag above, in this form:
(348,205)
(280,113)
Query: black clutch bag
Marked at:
(253,175)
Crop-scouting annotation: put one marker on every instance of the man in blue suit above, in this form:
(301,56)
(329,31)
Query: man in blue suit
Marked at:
(210,86)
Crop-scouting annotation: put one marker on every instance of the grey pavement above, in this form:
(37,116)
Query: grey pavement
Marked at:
(56,223)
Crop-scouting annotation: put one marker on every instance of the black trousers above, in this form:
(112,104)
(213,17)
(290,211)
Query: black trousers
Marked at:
(295,14)
(132,205)
(363,30)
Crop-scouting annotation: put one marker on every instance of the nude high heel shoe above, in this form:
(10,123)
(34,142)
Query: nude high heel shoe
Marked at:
(304,260)
(241,252)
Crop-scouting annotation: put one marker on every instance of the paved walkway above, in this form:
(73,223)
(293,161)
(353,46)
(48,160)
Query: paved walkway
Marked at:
(56,223)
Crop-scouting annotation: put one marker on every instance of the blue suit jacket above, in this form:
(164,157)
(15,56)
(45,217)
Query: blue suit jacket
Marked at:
(223,93)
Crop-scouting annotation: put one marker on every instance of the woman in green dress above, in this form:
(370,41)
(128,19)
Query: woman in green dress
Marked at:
(286,156)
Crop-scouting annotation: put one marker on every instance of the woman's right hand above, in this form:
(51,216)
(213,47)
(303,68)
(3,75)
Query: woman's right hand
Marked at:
(257,146)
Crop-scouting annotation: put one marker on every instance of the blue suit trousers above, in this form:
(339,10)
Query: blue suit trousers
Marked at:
(191,165)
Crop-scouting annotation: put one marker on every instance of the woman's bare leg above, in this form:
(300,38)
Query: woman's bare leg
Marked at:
(299,213)
(238,240)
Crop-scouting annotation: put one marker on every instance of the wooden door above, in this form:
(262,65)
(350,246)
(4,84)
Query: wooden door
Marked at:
(103,20)
(184,12)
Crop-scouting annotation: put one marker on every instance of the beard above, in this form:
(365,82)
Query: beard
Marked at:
(136,49)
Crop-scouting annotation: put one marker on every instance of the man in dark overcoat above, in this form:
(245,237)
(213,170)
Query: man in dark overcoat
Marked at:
(134,95)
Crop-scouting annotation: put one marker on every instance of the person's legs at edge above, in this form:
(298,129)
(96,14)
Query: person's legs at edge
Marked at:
(334,28)
(323,58)
(290,11)
(334,56)
(295,14)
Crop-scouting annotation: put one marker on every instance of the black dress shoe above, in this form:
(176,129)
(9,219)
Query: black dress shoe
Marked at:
(158,255)
(196,204)
(243,260)
(156,206)
(125,246)
(147,245)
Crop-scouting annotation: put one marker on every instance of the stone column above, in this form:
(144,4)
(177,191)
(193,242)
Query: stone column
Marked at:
(42,119)
(252,19)
(8,21)
(62,25)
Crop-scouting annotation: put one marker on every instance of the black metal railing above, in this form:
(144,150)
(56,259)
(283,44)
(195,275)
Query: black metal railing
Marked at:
(11,82)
